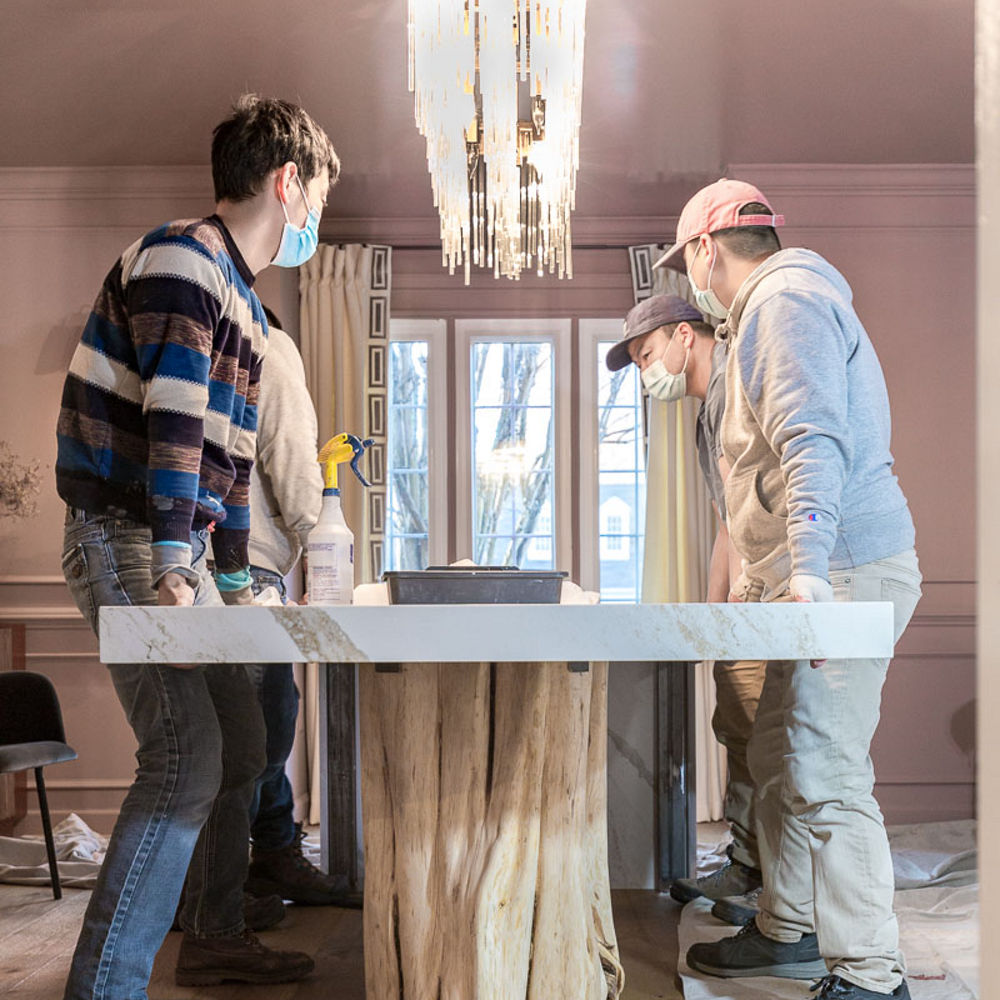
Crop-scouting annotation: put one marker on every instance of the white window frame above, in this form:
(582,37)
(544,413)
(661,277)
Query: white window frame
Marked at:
(591,333)
(435,333)
(558,332)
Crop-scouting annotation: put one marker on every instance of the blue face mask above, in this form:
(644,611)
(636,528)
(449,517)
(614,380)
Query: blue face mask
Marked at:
(298,245)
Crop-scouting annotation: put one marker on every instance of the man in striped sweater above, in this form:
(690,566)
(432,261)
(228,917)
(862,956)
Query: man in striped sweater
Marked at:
(156,440)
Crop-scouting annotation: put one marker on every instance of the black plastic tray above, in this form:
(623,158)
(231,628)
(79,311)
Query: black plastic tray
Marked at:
(482,585)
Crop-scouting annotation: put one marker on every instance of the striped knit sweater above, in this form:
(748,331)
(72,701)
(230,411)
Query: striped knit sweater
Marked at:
(159,409)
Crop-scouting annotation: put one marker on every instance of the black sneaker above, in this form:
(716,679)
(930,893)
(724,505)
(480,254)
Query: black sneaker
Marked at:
(288,873)
(835,988)
(749,953)
(732,879)
(240,958)
(737,910)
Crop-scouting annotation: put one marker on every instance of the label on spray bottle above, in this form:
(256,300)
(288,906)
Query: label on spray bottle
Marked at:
(331,572)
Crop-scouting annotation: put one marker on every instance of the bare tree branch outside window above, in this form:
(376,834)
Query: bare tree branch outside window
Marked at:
(512,488)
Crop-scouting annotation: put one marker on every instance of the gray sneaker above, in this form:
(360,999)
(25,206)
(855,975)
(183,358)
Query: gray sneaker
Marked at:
(749,953)
(732,879)
(835,988)
(737,910)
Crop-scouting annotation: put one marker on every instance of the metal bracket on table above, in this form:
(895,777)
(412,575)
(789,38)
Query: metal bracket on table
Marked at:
(388,668)
(675,778)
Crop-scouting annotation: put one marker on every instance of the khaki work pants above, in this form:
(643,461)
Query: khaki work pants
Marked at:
(824,851)
(737,686)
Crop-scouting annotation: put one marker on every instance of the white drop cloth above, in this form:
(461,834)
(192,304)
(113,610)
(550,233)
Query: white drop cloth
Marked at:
(936,902)
(79,853)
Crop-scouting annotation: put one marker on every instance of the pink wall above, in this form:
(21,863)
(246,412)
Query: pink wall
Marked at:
(903,236)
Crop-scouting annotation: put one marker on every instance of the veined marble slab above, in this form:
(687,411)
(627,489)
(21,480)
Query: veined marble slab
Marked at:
(482,632)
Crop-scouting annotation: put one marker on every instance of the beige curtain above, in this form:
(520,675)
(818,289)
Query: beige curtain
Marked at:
(680,529)
(344,339)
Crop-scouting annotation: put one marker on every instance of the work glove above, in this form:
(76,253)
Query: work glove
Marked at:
(244,596)
(174,590)
(804,587)
(235,587)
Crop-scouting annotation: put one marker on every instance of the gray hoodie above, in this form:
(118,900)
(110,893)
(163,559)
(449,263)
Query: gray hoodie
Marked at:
(806,428)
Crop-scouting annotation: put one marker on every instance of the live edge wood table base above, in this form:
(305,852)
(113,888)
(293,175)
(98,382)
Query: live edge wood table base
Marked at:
(484,800)
(483,763)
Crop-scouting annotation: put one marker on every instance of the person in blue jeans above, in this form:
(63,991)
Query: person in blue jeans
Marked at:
(156,440)
(286,495)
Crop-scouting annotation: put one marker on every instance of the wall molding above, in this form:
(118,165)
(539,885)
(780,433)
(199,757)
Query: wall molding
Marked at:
(867,180)
(885,198)
(64,184)
(81,784)
(40,599)
(41,614)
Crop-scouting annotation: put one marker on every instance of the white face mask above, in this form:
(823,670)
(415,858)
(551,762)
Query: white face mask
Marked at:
(664,385)
(706,300)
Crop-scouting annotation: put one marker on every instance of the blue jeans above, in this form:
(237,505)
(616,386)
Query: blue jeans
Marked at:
(201,746)
(272,822)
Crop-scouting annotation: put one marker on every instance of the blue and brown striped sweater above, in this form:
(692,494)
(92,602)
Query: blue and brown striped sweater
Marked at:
(159,408)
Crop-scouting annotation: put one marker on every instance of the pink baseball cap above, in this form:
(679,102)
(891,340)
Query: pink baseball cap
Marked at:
(713,208)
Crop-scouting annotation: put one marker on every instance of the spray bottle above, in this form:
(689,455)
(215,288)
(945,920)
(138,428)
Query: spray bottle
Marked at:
(330,576)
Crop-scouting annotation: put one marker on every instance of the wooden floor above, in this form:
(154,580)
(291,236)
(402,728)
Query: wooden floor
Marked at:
(37,936)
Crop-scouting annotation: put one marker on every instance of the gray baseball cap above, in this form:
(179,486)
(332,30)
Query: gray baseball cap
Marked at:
(649,315)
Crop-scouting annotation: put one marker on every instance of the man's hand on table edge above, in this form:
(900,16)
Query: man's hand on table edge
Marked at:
(807,589)
(233,597)
(174,591)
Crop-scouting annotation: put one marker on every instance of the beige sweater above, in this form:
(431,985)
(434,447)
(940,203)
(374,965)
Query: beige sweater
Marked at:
(286,486)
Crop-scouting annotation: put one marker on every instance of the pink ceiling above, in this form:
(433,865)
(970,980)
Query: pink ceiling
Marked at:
(674,89)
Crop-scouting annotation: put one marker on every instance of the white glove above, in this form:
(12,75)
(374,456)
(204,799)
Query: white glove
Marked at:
(738,591)
(804,587)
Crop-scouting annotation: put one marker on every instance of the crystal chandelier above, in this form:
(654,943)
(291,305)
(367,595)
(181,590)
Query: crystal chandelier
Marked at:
(497,87)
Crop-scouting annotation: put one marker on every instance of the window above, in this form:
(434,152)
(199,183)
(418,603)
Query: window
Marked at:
(416,533)
(505,472)
(513,462)
(613,468)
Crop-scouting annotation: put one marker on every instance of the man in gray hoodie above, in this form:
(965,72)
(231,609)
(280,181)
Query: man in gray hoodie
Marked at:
(817,514)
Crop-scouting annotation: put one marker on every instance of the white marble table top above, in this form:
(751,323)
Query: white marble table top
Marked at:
(494,633)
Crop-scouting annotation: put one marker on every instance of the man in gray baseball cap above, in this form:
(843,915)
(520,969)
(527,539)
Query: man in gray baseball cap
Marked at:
(677,355)
(649,315)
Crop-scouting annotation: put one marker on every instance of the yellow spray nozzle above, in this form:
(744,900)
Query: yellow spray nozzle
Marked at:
(342,448)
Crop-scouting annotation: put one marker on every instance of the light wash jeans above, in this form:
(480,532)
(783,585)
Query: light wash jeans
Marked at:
(201,746)
(737,689)
(824,850)
(272,819)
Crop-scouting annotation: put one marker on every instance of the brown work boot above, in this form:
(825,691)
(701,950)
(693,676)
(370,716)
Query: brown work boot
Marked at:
(240,958)
(287,873)
(259,912)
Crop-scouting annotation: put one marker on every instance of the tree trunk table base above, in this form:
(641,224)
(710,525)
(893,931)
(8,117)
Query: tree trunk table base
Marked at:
(484,796)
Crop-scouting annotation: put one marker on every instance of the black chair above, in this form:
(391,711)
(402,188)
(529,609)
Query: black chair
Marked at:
(31,735)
